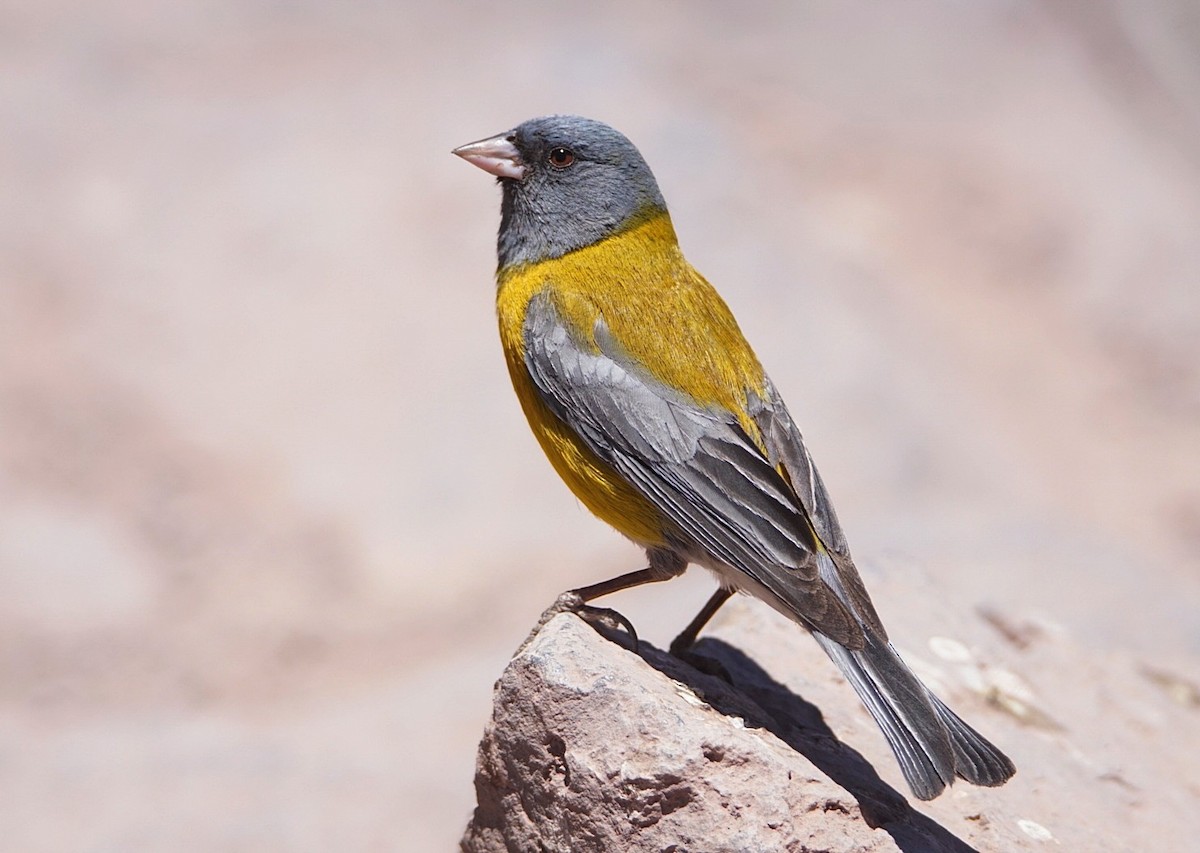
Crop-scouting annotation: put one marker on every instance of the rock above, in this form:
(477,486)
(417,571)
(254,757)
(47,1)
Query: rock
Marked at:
(594,748)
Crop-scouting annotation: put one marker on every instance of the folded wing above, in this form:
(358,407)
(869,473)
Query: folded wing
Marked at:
(711,482)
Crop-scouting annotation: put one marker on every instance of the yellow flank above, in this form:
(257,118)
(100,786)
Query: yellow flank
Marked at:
(668,319)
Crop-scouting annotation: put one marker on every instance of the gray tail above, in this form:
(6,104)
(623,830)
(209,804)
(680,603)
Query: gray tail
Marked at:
(931,742)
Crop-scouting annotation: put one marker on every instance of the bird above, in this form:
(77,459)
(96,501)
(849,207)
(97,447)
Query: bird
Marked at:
(654,409)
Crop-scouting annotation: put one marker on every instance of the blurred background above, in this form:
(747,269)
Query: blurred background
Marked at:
(271,522)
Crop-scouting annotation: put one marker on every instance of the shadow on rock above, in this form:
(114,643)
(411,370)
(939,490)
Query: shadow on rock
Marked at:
(764,703)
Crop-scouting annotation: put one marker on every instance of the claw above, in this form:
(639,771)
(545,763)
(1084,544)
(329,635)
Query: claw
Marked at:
(572,602)
(610,619)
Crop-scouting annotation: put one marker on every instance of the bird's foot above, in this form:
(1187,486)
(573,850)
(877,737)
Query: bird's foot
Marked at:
(598,617)
(682,648)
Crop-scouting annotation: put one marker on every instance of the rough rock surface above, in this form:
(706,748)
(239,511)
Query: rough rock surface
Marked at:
(594,748)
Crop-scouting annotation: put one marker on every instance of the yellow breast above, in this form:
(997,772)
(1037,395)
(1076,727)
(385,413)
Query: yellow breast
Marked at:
(668,319)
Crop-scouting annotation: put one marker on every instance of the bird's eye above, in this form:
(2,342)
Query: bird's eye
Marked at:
(561,158)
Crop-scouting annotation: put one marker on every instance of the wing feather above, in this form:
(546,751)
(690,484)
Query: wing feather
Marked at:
(698,466)
(785,447)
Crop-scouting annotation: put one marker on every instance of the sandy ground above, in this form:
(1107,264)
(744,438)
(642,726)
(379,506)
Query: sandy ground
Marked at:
(270,520)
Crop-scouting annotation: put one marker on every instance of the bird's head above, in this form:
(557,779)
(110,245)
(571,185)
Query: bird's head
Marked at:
(568,182)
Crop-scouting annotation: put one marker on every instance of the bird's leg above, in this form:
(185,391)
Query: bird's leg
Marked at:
(687,637)
(681,646)
(664,565)
(576,601)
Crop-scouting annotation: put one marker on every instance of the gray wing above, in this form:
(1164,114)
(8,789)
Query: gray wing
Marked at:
(785,448)
(698,466)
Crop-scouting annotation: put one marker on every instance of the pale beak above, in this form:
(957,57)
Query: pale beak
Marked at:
(496,155)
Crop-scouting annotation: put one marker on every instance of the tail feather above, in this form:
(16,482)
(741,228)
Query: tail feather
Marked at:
(901,707)
(977,759)
(931,743)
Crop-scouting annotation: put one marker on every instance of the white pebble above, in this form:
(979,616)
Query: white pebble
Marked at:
(949,650)
(1011,684)
(1035,830)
